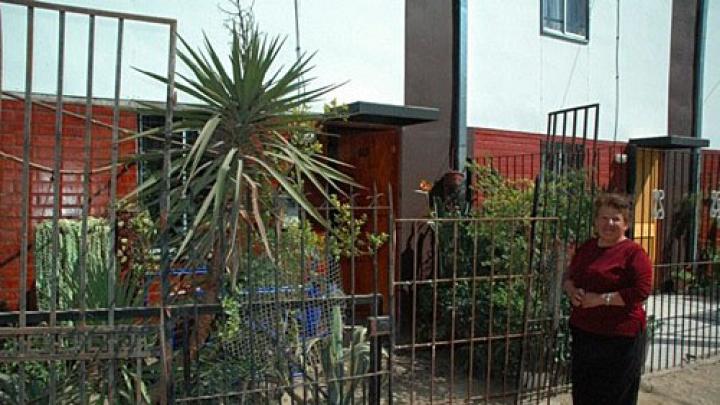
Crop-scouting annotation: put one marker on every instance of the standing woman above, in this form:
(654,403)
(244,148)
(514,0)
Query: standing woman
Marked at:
(608,281)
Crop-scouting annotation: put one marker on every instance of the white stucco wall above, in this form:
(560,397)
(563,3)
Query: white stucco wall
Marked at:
(516,75)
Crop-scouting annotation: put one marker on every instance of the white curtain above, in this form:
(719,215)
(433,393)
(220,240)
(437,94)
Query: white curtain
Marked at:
(553,14)
(577,17)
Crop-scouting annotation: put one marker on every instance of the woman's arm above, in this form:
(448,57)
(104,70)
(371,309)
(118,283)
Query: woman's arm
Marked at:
(641,284)
(641,275)
(575,294)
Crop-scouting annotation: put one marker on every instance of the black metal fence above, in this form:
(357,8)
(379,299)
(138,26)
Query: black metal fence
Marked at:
(609,171)
(100,312)
(675,219)
(295,329)
(675,191)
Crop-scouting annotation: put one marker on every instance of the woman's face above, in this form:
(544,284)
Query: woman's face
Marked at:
(610,224)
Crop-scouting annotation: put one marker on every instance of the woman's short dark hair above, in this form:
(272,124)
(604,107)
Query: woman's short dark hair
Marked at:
(614,200)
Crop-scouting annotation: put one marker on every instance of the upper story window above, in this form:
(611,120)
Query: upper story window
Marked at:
(566,18)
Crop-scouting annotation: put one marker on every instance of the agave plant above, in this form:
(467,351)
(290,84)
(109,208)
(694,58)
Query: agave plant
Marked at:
(338,369)
(255,138)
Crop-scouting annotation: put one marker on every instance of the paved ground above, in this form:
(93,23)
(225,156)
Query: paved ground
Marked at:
(694,384)
(686,332)
(688,329)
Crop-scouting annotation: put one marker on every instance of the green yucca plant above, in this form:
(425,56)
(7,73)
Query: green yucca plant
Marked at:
(255,138)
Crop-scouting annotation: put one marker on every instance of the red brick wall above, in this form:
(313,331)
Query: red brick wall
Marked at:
(496,142)
(709,181)
(41,183)
(516,155)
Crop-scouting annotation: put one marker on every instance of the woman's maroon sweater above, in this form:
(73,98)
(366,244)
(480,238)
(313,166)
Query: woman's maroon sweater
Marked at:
(623,268)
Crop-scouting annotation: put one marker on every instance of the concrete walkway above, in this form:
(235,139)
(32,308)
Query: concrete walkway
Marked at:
(694,384)
(686,329)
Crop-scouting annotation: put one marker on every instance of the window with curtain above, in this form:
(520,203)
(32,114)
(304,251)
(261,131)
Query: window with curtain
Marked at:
(153,167)
(566,18)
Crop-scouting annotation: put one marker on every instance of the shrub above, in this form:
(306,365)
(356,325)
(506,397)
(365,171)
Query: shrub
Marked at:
(500,247)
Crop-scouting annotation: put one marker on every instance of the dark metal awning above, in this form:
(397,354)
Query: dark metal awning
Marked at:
(670,142)
(362,113)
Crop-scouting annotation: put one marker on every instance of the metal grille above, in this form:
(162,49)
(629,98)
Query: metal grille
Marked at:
(673,204)
(282,317)
(72,347)
(672,191)
(474,299)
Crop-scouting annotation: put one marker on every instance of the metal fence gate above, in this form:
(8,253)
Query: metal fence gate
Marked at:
(477,301)
(673,191)
(71,347)
(675,218)
(93,311)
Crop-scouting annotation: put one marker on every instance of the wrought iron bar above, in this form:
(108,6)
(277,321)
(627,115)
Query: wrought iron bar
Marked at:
(167,324)
(415,269)
(456,241)
(491,317)
(25,214)
(353,286)
(90,11)
(473,312)
(391,276)
(433,347)
(375,350)
(57,160)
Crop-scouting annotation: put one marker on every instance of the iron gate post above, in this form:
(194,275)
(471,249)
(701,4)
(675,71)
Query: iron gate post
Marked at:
(379,330)
(695,190)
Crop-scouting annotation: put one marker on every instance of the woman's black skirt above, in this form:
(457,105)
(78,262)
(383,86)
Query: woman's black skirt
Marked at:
(606,369)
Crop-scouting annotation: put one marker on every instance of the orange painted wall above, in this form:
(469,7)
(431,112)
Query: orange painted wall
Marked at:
(374,155)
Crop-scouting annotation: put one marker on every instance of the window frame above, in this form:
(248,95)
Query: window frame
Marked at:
(147,121)
(564,34)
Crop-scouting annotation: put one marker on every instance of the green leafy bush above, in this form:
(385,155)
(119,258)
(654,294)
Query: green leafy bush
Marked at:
(490,251)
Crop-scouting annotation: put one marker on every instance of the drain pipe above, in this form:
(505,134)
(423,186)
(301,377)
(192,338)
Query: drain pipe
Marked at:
(460,151)
(699,67)
(458,125)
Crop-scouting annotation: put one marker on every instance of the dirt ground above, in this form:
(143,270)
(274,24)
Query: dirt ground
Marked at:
(694,384)
(697,383)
